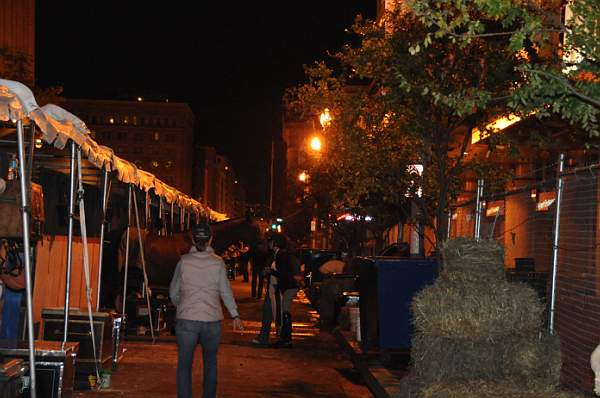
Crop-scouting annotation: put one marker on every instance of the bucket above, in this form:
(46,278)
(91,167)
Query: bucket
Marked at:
(93,381)
(105,379)
(355,321)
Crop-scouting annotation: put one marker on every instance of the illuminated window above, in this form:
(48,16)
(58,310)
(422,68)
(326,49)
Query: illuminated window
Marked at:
(156,136)
(111,120)
(168,164)
(154,164)
(126,120)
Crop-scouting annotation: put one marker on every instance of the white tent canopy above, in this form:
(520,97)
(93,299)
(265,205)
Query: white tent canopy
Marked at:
(58,126)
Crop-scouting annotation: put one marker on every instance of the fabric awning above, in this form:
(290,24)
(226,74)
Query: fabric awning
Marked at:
(58,126)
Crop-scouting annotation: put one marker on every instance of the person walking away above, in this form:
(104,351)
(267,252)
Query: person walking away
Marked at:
(259,258)
(198,285)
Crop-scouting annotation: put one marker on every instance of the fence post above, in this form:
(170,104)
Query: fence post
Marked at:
(478,208)
(559,190)
(449,226)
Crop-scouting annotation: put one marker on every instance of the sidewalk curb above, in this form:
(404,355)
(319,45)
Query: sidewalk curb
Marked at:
(380,381)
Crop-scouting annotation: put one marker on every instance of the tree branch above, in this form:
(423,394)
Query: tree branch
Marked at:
(576,93)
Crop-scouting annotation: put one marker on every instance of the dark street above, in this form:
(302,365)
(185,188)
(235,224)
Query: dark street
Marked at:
(314,367)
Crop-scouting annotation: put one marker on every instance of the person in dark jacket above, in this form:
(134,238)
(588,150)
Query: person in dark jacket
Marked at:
(284,276)
(289,279)
(259,259)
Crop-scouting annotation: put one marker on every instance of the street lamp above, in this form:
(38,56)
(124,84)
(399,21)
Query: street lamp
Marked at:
(325,118)
(303,177)
(315,144)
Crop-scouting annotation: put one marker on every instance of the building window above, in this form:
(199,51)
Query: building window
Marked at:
(134,120)
(156,136)
(170,138)
(126,120)
(139,136)
(111,120)
(143,121)
(107,135)
(168,164)
(122,135)
(154,164)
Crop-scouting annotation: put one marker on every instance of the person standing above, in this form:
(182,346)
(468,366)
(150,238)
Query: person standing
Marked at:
(271,303)
(244,256)
(259,258)
(198,285)
(289,280)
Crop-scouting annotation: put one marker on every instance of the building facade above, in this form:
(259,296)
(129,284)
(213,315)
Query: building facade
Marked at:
(17,40)
(216,183)
(156,136)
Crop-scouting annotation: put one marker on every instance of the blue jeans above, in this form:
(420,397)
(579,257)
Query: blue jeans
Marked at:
(11,314)
(189,334)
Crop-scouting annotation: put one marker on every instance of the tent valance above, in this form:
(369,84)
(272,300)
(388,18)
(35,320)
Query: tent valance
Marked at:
(58,126)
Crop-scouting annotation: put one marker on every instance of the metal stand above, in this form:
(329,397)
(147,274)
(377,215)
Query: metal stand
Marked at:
(27,247)
(69,243)
(127,233)
(105,193)
(141,249)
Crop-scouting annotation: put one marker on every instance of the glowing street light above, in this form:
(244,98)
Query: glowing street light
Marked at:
(325,118)
(303,176)
(315,144)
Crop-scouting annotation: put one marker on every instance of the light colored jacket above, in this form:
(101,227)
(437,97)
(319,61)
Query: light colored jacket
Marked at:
(199,284)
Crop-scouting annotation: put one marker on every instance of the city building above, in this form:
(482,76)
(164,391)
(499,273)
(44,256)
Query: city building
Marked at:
(156,136)
(216,183)
(17,40)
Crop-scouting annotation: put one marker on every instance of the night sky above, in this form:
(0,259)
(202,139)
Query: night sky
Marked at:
(230,60)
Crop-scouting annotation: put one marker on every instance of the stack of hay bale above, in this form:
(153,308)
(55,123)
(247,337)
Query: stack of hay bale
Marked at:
(477,335)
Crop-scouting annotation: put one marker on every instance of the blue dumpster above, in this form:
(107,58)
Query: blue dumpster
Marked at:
(387,286)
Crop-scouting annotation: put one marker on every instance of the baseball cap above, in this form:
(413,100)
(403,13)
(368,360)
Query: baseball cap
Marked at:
(201,232)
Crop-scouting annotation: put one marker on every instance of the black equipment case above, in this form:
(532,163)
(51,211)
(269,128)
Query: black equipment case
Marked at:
(54,367)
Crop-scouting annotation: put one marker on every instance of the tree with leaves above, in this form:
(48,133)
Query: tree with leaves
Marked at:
(559,43)
(421,104)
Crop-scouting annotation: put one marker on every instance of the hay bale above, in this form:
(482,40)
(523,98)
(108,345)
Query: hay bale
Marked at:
(505,389)
(452,307)
(534,358)
(523,358)
(473,257)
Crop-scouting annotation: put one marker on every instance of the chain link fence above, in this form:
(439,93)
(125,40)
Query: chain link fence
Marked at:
(543,228)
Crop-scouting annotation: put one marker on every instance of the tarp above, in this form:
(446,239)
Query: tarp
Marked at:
(58,126)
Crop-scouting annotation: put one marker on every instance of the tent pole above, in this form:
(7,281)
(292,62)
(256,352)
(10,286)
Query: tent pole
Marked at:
(160,216)
(127,233)
(182,218)
(147,209)
(25,214)
(102,230)
(69,243)
(172,216)
(143,258)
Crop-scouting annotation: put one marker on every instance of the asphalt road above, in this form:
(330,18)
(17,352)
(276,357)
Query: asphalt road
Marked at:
(314,367)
